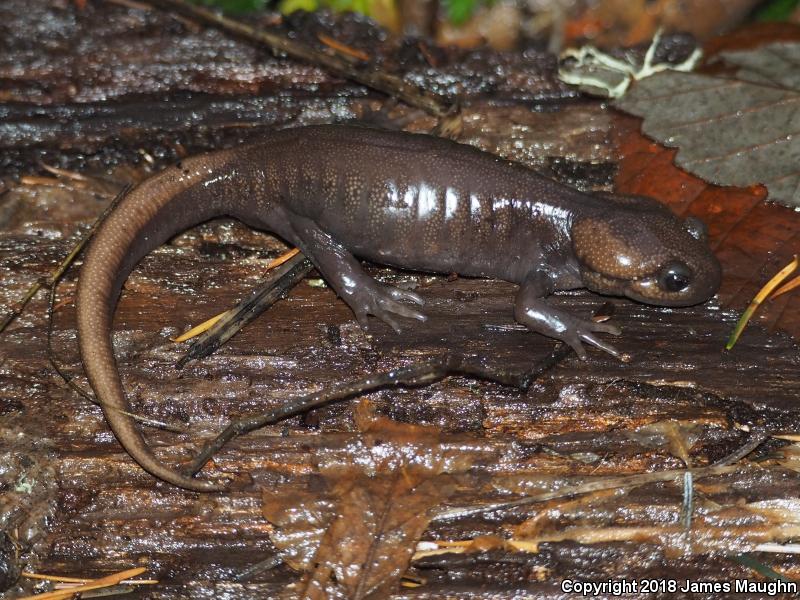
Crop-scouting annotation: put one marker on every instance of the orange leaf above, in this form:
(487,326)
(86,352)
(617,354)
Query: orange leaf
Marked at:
(751,238)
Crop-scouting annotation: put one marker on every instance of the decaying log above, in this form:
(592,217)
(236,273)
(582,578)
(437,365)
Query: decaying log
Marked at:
(90,509)
(75,502)
(113,81)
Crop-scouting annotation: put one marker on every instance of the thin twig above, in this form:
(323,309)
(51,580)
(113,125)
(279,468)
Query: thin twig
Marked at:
(261,566)
(275,286)
(52,283)
(22,303)
(758,436)
(65,264)
(751,562)
(419,374)
(604,483)
(68,379)
(336,64)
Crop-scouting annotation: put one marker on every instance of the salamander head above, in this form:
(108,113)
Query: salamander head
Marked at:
(648,254)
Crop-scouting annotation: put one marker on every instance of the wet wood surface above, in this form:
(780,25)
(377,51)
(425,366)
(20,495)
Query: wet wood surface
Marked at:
(91,508)
(77,504)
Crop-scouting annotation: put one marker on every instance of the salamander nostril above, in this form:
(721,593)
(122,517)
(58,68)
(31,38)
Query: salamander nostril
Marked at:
(696,228)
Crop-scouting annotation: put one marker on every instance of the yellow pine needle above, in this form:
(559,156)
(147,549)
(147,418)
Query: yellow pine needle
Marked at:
(762,295)
(282,258)
(60,578)
(465,546)
(791,437)
(198,329)
(64,579)
(454,543)
(411,581)
(206,325)
(524,545)
(420,554)
(93,584)
(64,173)
(786,287)
(342,48)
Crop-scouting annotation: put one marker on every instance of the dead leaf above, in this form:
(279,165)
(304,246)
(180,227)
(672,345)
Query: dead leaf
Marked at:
(676,436)
(738,130)
(378,522)
(354,534)
(753,240)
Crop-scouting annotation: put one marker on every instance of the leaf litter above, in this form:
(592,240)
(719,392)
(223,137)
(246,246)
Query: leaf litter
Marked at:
(735,130)
(353,530)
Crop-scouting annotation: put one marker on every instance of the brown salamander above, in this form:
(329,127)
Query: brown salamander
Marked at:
(413,201)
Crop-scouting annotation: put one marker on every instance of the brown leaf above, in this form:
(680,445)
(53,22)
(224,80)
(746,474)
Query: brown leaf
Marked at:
(354,536)
(753,240)
(752,36)
(378,522)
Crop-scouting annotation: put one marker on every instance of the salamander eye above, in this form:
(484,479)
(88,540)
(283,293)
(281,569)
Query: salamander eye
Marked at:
(675,277)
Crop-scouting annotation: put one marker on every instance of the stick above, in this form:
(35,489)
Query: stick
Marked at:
(65,264)
(419,374)
(52,283)
(335,64)
(758,436)
(53,359)
(275,286)
(604,483)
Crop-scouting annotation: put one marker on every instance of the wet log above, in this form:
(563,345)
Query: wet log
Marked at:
(74,503)
(110,82)
(80,505)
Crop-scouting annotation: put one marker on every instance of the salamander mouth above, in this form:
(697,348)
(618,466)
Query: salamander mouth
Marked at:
(644,289)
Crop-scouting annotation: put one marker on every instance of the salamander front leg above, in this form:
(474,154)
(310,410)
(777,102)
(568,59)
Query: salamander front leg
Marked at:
(342,271)
(531,310)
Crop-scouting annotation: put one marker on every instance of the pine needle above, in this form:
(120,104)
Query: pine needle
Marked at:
(762,295)
(787,287)
(94,584)
(206,325)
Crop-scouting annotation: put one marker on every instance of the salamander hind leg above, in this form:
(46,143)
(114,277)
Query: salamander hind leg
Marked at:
(531,310)
(342,271)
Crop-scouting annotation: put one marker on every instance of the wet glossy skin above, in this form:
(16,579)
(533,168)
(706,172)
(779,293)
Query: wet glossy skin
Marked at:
(413,201)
